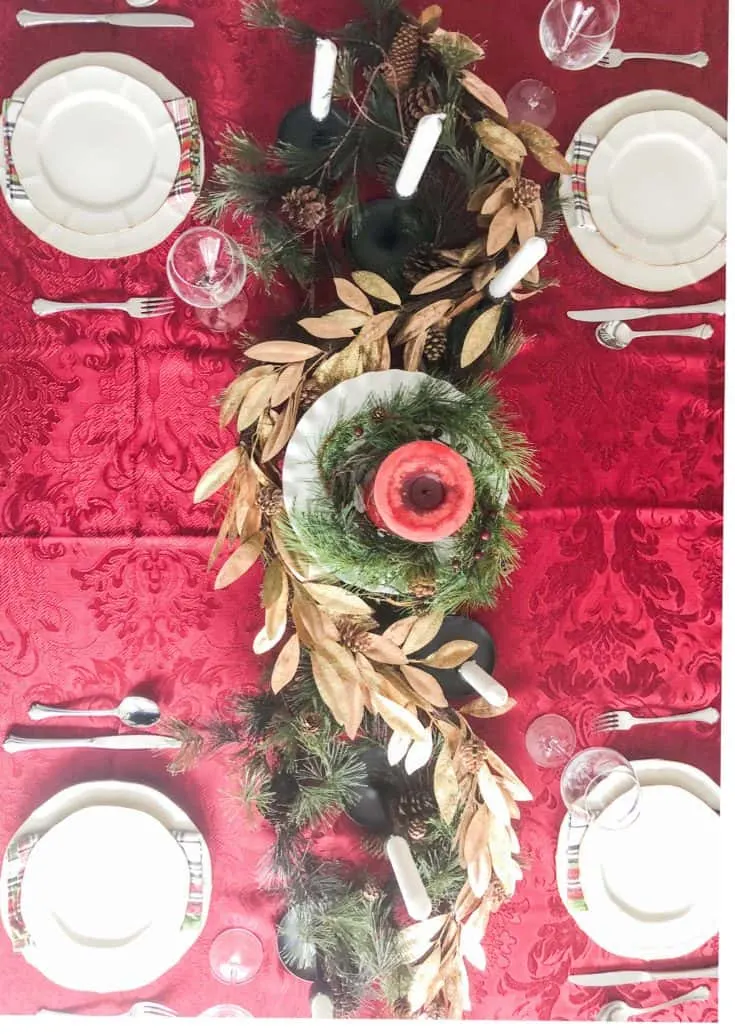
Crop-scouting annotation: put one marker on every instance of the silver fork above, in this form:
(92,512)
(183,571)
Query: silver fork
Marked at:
(614,58)
(611,721)
(139,308)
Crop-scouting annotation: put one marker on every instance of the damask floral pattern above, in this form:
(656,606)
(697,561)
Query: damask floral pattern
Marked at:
(106,424)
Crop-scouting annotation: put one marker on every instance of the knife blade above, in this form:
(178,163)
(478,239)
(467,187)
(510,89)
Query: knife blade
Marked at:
(136,20)
(601,315)
(131,741)
(639,976)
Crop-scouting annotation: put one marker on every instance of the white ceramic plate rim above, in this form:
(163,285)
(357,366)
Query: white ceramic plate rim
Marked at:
(651,772)
(37,114)
(599,252)
(700,920)
(132,795)
(693,134)
(132,241)
(166,867)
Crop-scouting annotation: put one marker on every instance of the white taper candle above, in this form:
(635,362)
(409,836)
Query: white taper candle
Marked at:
(484,684)
(325,63)
(413,892)
(527,256)
(322,1007)
(419,152)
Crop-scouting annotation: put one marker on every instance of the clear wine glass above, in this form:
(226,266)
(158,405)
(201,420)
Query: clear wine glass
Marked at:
(225,1011)
(600,785)
(550,740)
(530,100)
(236,955)
(575,34)
(207,270)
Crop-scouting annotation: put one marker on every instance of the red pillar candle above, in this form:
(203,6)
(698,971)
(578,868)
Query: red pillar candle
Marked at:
(422,491)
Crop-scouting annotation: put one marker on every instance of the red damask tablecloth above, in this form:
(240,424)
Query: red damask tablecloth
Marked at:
(106,424)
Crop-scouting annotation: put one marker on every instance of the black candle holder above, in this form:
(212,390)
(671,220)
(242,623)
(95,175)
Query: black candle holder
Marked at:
(389,230)
(300,129)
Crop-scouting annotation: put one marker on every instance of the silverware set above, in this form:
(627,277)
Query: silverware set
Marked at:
(612,330)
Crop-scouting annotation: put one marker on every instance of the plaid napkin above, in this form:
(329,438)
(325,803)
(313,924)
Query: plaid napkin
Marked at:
(19,852)
(574,895)
(582,149)
(183,112)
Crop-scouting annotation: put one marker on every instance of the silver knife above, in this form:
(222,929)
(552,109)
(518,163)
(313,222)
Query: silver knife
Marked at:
(131,741)
(139,20)
(639,976)
(601,315)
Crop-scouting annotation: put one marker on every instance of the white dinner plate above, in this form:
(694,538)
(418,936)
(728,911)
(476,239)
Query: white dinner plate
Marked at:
(132,240)
(596,249)
(656,185)
(635,937)
(140,956)
(95,150)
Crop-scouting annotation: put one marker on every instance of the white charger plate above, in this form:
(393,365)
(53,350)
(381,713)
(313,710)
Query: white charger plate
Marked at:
(595,248)
(113,970)
(628,943)
(656,185)
(95,150)
(130,241)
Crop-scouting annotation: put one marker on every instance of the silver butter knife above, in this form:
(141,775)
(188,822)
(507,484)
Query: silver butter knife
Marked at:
(602,315)
(132,741)
(30,19)
(639,976)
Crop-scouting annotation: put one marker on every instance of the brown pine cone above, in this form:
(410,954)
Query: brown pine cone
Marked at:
(472,755)
(379,413)
(403,57)
(310,392)
(525,192)
(423,588)
(436,344)
(402,1009)
(416,830)
(371,889)
(419,264)
(304,207)
(435,1010)
(269,499)
(420,100)
(374,845)
(311,722)
(352,635)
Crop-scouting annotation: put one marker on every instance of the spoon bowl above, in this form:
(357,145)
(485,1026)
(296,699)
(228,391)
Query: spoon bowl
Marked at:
(141,3)
(614,334)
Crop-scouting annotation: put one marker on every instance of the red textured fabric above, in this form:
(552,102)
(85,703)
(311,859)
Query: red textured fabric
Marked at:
(107,423)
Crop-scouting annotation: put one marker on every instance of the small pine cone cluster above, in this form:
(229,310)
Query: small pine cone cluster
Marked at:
(423,588)
(309,394)
(472,754)
(403,57)
(402,1009)
(420,100)
(435,1010)
(436,344)
(269,499)
(374,845)
(311,722)
(371,889)
(419,264)
(379,413)
(352,635)
(416,830)
(304,207)
(525,193)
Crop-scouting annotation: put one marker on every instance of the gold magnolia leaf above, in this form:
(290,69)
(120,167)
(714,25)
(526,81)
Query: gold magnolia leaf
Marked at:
(282,352)
(480,708)
(424,318)
(290,562)
(425,685)
(336,599)
(482,275)
(451,655)
(272,586)
(351,318)
(483,93)
(276,615)
(251,523)
(424,975)
(479,196)
(472,949)
(286,664)
(419,754)
(239,562)
(236,391)
(516,788)
(492,795)
(436,280)
(446,787)
(525,226)
(382,346)
(398,718)
(282,430)
(534,137)
(394,686)
(479,872)
(501,229)
(263,642)
(397,747)
(383,650)
(324,327)
(398,631)
(413,351)
(503,196)
(375,355)
(554,161)
(339,693)
(429,19)
(474,841)
(425,629)
(473,252)
(501,853)
(500,141)
(351,295)
(418,938)
(470,301)
(369,677)
(480,335)
(266,423)
(310,621)
(245,498)
(376,328)
(537,211)
(256,401)
(222,536)
(376,286)
(218,474)
(288,381)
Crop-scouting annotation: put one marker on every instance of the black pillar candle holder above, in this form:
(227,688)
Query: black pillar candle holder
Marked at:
(389,230)
(300,129)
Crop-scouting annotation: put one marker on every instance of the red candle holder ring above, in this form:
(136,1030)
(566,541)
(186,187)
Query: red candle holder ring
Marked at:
(422,491)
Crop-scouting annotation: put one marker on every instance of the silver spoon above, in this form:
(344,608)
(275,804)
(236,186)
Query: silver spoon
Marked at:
(134,711)
(617,334)
(141,3)
(621,1011)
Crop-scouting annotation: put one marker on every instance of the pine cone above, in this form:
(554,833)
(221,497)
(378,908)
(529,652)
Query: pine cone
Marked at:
(416,829)
(525,192)
(304,207)
(374,845)
(311,722)
(310,392)
(402,1009)
(420,100)
(435,1010)
(412,810)
(269,499)
(403,57)
(436,344)
(423,588)
(371,889)
(379,413)
(352,635)
(472,755)
(419,264)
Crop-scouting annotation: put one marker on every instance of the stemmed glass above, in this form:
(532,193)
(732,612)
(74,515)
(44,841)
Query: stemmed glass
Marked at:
(600,785)
(207,270)
(550,740)
(235,955)
(574,34)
